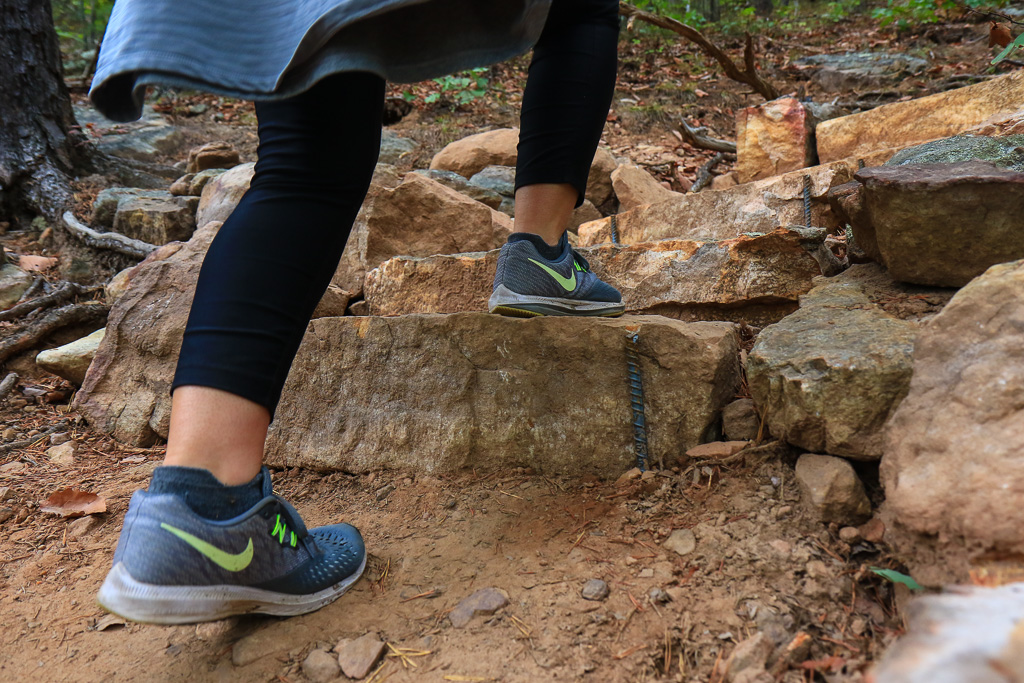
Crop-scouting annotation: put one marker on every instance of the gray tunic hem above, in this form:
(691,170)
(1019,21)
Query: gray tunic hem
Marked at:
(270,58)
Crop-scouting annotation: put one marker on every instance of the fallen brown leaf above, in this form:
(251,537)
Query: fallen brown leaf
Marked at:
(37,264)
(999,34)
(72,503)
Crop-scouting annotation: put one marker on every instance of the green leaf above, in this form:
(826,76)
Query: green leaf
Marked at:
(897,577)
(1009,48)
(432,97)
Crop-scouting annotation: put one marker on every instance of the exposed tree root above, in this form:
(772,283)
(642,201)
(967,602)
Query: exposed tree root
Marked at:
(35,331)
(112,241)
(747,75)
(63,293)
(704,174)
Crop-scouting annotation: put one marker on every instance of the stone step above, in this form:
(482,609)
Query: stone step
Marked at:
(759,206)
(927,118)
(757,279)
(429,392)
(440,393)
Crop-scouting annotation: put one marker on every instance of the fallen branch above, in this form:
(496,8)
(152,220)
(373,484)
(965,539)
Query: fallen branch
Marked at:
(698,137)
(7,386)
(36,331)
(747,75)
(113,241)
(704,174)
(58,296)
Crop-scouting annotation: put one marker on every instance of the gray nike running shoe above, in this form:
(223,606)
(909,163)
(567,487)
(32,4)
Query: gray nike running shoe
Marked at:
(528,285)
(172,566)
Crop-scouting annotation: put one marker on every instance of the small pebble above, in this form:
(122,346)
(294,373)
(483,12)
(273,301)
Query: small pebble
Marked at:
(320,667)
(59,438)
(595,589)
(659,596)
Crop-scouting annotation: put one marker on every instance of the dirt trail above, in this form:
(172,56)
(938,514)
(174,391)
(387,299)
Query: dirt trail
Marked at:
(758,566)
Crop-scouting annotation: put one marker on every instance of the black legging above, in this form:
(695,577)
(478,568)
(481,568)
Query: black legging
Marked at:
(273,258)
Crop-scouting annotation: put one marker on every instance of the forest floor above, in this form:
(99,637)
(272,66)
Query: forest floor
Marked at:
(760,564)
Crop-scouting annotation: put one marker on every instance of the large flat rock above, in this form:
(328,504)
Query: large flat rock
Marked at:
(941,224)
(953,472)
(712,215)
(756,279)
(927,118)
(437,393)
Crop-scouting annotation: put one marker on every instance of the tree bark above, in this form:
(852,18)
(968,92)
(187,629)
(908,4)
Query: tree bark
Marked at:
(39,146)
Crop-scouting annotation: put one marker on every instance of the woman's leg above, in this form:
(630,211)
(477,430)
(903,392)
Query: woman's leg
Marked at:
(267,269)
(572,77)
(565,105)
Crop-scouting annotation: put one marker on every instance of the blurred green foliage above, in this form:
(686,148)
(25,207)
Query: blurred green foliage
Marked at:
(80,25)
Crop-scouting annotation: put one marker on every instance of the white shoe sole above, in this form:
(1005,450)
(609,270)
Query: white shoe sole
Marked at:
(153,604)
(506,302)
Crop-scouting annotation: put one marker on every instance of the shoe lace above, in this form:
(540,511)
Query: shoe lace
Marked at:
(282,534)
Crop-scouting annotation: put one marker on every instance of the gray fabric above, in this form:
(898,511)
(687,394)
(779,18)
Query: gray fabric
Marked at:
(268,49)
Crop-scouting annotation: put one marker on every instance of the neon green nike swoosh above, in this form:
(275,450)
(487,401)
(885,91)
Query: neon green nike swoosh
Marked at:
(233,563)
(568,283)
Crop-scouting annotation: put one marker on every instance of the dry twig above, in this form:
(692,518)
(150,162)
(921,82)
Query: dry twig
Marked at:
(746,75)
(698,137)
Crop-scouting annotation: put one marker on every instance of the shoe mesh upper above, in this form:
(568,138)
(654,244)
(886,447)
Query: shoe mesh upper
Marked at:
(519,274)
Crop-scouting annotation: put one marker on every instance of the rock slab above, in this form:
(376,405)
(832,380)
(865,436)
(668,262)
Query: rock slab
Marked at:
(927,118)
(635,187)
(483,602)
(761,206)
(952,470)
(757,279)
(434,393)
(942,224)
(474,153)
(773,138)
(830,375)
(420,217)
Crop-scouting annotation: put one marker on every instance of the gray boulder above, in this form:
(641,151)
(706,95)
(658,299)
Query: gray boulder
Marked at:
(393,148)
(830,375)
(147,139)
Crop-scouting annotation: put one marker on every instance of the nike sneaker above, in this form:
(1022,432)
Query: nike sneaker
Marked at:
(172,566)
(527,284)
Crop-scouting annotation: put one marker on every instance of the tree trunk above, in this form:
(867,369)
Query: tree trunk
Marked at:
(39,148)
(710,10)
